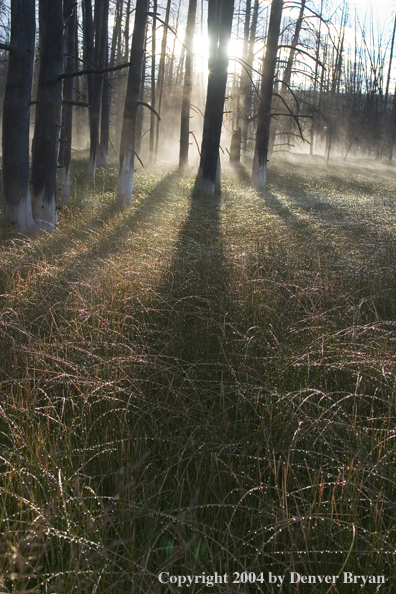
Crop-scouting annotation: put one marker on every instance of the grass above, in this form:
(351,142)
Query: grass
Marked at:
(202,385)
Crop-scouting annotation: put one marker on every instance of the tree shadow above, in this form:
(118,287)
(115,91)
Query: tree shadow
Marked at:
(84,258)
(188,323)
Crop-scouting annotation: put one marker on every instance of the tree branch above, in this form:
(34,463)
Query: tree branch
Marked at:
(150,108)
(94,71)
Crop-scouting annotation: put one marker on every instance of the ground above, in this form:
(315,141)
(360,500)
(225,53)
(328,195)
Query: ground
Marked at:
(202,384)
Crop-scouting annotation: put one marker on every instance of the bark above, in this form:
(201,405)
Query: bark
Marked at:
(221,11)
(333,92)
(88,43)
(288,70)
(319,39)
(161,73)
(247,83)
(187,88)
(152,116)
(48,110)
(259,175)
(139,117)
(16,114)
(103,158)
(70,15)
(127,148)
(101,48)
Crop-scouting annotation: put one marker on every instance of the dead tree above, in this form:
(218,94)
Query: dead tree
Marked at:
(259,175)
(70,16)
(48,112)
(187,88)
(95,101)
(161,73)
(127,148)
(220,16)
(288,72)
(153,89)
(16,114)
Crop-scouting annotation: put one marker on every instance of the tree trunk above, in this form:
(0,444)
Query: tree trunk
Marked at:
(101,48)
(245,83)
(288,71)
(16,196)
(333,92)
(161,73)
(247,88)
(187,88)
(152,116)
(103,158)
(259,175)
(217,80)
(48,110)
(127,152)
(319,39)
(139,117)
(70,15)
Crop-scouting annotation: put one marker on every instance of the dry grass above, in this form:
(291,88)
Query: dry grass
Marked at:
(201,385)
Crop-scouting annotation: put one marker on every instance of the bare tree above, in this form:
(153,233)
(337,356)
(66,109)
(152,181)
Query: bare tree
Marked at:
(70,16)
(48,111)
(127,148)
(259,175)
(187,88)
(95,101)
(16,196)
(220,15)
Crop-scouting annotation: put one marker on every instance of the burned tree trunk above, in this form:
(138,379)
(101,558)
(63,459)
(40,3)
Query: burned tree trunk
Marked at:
(217,80)
(101,43)
(187,88)
(127,148)
(161,73)
(259,175)
(153,89)
(103,157)
(48,110)
(16,196)
(288,70)
(246,82)
(70,15)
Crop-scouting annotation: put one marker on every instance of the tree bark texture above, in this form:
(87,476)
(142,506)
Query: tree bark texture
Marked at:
(70,16)
(103,158)
(152,116)
(187,88)
(219,36)
(161,74)
(95,102)
(48,110)
(127,148)
(267,88)
(16,113)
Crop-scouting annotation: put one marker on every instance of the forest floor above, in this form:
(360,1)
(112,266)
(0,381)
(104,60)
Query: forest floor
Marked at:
(202,385)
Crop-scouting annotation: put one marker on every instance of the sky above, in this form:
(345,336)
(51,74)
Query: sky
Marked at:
(383,10)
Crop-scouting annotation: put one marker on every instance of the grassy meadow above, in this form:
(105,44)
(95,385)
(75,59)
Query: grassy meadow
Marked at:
(202,384)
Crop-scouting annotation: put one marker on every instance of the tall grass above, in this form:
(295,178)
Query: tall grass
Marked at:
(202,385)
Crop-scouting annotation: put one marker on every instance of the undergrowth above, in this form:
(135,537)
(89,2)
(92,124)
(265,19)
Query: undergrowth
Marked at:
(202,385)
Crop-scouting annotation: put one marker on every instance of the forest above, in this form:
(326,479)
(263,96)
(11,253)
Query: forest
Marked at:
(197,297)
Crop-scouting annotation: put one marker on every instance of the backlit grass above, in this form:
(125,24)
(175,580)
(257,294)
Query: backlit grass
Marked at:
(202,385)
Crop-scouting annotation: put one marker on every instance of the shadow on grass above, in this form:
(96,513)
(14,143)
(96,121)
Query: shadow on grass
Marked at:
(48,291)
(189,321)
